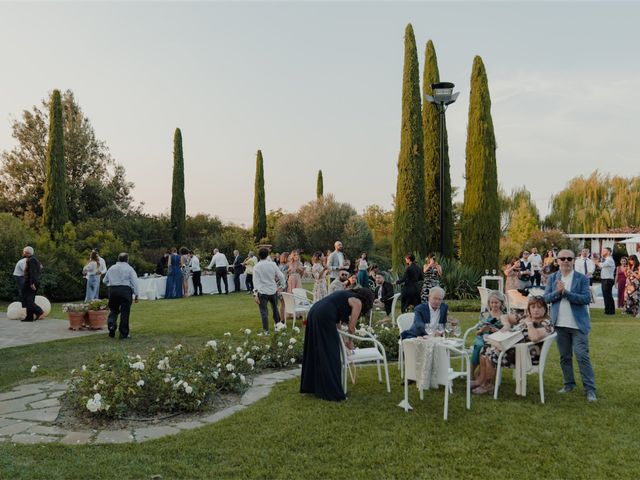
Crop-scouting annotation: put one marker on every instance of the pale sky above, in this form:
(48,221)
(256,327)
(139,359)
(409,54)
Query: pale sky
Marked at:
(318,85)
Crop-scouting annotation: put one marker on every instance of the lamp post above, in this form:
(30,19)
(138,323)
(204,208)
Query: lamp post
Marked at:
(442,96)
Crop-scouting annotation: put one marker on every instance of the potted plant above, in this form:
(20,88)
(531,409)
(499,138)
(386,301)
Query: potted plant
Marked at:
(77,313)
(98,314)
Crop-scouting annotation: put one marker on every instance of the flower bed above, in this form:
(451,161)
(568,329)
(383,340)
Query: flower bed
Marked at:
(117,385)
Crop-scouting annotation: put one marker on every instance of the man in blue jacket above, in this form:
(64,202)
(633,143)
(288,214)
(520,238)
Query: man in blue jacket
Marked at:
(569,294)
(434,312)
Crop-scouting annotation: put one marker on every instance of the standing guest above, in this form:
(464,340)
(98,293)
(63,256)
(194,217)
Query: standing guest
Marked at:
(339,283)
(319,273)
(237,270)
(161,266)
(607,278)
(221,264)
(536,267)
(283,264)
(383,294)
(524,277)
(362,267)
(431,273)
(174,276)
(569,294)
(196,273)
(632,288)
(433,313)
(321,356)
(585,265)
(410,281)
(268,281)
(185,270)
(92,271)
(122,281)
(32,270)
(294,272)
(249,262)
(335,261)
(511,272)
(621,280)
(549,267)
(18,275)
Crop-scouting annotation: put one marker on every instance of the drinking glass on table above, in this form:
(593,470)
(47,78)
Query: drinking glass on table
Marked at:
(428,329)
(440,330)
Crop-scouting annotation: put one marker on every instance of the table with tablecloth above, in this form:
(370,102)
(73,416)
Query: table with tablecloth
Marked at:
(154,287)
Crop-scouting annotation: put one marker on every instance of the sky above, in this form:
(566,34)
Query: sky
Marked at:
(318,85)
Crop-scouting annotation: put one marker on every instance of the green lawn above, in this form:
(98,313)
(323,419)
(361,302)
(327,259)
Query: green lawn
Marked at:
(288,435)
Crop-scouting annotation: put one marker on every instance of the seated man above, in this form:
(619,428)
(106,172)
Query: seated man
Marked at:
(383,293)
(339,283)
(434,312)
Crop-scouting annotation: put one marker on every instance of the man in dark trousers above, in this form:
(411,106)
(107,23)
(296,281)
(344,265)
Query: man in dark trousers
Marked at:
(410,282)
(122,281)
(238,268)
(383,293)
(30,287)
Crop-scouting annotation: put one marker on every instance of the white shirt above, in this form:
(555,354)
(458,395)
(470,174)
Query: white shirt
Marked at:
(267,277)
(434,316)
(565,314)
(19,270)
(607,268)
(536,262)
(336,285)
(195,263)
(219,260)
(579,266)
(102,268)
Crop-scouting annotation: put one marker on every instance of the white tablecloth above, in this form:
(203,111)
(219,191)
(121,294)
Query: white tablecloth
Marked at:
(152,288)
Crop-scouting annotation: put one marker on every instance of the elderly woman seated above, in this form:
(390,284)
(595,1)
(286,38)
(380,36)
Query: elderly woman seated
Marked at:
(432,313)
(491,321)
(534,327)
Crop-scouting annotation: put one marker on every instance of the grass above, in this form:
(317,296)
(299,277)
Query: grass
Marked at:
(287,435)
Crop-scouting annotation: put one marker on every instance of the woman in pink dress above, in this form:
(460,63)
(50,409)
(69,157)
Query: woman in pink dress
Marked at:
(621,280)
(295,271)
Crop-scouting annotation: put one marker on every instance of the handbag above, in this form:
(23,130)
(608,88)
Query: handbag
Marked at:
(504,340)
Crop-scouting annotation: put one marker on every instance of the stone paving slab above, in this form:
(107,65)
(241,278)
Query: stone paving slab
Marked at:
(33,439)
(227,412)
(114,436)
(254,394)
(189,425)
(14,333)
(77,438)
(19,392)
(49,402)
(151,433)
(19,404)
(41,415)
(45,430)
(17,427)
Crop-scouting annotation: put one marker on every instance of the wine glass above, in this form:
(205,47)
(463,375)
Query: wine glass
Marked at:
(456,331)
(493,272)
(429,329)
(440,330)
(448,328)
(486,272)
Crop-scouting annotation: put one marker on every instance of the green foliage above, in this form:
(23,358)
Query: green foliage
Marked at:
(480,222)
(259,209)
(548,240)
(357,237)
(178,205)
(54,214)
(596,204)
(523,223)
(14,236)
(272,219)
(510,203)
(459,281)
(289,233)
(96,185)
(319,185)
(380,223)
(431,131)
(408,220)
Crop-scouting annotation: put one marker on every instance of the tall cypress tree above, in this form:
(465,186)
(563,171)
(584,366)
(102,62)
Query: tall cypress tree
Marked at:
(259,210)
(178,204)
(319,185)
(480,228)
(431,129)
(55,213)
(408,216)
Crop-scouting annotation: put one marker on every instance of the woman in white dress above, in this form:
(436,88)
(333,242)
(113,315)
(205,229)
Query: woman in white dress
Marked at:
(319,273)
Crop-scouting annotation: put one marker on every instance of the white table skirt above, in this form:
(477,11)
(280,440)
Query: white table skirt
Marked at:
(152,288)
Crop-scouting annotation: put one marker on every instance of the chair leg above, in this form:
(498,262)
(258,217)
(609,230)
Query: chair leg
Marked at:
(468,386)
(446,399)
(379,372)
(406,394)
(541,387)
(498,379)
(386,373)
(401,360)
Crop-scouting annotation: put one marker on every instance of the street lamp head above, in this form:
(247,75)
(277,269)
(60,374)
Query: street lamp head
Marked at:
(442,93)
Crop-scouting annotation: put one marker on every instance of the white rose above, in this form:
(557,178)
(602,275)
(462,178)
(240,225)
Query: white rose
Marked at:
(292,340)
(247,332)
(212,344)
(251,361)
(189,389)
(230,367)
(140,383)
(34,368)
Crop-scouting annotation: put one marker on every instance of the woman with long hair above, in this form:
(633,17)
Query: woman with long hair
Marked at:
(431,274)
(632,288)
(294,272)
(185,270)
(362,268)
(92,271)
(621,280)
(319,273)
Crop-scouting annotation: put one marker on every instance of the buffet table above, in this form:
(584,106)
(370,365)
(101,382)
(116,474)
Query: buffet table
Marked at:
(153,287)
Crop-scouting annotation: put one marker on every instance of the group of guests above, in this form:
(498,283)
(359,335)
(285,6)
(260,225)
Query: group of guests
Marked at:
(417,282)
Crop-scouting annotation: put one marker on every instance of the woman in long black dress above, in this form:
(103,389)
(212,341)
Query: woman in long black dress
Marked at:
(321,356)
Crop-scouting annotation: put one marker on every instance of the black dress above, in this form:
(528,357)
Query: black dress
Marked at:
(321,356)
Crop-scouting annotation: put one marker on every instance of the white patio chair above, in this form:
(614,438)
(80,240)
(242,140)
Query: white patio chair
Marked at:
(516,301)
(537,369)
(303,296)
(291,309)
(363,355)
(404,321)
(484,298)
(396,297)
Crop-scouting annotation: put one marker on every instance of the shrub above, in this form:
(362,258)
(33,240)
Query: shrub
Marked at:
(459,281)
(14,236)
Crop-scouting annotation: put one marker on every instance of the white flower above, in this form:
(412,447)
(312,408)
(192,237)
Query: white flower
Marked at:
(97,397)
(167,379)
(290,347)
(163,364)
(279,344)
(227,334)
(233,375)
(234,357)
(100,382)
(292,340)
(92,406)
(189,389)
(178,347)
(84,368)
(102,365)
(212,344)
(247,332)
(34,368)
(242,379)
(251,361)
(73,371)
(137,366)
(238,349)
(138,357)
(140,383)
(280,326)
(178,384)
(293,360)
(296,329)
(215,374)
(230,367)
(95,387)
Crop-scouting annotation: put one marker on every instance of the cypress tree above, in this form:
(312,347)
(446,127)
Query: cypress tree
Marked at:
(319,185)
(259,210)
(55,213)
(408,216)
(431,130)
(480,229)
(178,204)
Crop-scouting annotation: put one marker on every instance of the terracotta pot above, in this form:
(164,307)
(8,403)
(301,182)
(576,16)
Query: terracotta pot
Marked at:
(76,320)
(97,319)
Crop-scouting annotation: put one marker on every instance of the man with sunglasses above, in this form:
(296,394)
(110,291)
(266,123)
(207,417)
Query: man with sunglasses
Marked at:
(569,294)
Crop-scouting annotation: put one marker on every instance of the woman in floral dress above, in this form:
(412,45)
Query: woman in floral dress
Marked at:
(430,277)
(632,290)
(319,274)
(294,271)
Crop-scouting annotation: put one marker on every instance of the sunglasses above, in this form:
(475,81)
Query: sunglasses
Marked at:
(565,259)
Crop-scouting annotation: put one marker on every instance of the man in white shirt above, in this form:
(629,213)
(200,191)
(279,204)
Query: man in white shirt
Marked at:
(196,273)
(585,265)
(536,267)
(18,275)
(339,283)
(122,281)
(268,280)
(607,272)
(221,264)
(335,262)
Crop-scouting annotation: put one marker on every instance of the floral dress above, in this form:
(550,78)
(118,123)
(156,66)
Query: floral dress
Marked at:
(319,275)
(632,293)
(509,358)
(430,279)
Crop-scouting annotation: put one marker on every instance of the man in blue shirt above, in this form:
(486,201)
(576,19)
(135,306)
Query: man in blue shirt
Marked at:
(122,281)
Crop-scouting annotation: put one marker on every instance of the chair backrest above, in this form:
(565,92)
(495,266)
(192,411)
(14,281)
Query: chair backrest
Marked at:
(484,298)
(517,300)
(301,296)
(289,303)
(404,321)
(546,346)
(396,296)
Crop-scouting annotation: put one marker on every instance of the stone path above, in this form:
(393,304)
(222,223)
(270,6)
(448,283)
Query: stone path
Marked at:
(14,333)
(28,411)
